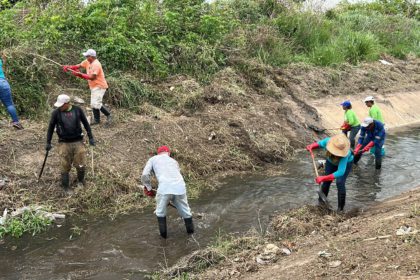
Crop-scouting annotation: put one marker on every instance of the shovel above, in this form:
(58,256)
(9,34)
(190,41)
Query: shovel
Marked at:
(320,193)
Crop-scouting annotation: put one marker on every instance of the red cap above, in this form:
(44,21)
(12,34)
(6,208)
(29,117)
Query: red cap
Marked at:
(163,149)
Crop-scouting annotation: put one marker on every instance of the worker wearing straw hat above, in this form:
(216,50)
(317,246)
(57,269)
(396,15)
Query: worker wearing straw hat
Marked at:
(337,167)
(97,83)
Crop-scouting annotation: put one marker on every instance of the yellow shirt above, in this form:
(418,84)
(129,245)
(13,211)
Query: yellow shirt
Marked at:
(95,68)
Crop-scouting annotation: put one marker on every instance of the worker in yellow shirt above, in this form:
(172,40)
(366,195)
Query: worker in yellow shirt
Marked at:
(351,122)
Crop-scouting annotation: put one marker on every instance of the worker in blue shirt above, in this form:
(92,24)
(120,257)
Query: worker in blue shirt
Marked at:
(372,134)
(338,165)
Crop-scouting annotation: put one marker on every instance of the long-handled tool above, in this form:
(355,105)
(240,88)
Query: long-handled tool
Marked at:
(320,193)
(43,165)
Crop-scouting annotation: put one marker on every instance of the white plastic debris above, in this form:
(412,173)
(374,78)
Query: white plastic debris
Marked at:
(403,230)
(286,251)
(384,62)
(4,217)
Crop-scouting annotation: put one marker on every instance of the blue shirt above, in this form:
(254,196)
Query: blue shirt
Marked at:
(342,164)
(377,135)
(1,70)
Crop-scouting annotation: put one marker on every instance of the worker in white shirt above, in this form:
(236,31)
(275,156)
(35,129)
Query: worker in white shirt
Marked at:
(171,188)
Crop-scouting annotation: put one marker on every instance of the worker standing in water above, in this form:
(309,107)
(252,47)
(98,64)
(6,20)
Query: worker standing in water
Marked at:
(351,123)
(337,167)
(372,135)
(374,111)
(171,188)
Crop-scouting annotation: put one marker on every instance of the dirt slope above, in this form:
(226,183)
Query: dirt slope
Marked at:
(358,246)
(244,120)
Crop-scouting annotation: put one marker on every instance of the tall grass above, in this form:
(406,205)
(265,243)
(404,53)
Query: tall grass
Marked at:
(153,39)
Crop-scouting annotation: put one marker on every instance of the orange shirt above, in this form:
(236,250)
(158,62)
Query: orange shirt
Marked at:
(95,68)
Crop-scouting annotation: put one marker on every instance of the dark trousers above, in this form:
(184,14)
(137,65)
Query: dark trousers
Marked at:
(352,137)
(378,153)
(340,182)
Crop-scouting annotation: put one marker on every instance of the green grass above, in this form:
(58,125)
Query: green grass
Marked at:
(149,40)
(29,222)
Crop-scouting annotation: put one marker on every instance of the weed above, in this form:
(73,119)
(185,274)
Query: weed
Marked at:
(29,222)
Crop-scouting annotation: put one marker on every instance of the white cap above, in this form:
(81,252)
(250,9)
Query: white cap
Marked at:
(61,100)
(369,98)
(367,121)
(90,52)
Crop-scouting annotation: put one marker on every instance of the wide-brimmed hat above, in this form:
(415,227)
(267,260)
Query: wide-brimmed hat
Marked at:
(339,145)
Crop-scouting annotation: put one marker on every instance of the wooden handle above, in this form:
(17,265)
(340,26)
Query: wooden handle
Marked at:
(313,161)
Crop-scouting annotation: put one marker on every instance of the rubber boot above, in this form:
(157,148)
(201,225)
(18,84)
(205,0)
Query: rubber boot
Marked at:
(65,181)
(107,114)
(162,226)
(81,177)
(341,202)
(357,158)
(378,163)
(189,225)
(96,116)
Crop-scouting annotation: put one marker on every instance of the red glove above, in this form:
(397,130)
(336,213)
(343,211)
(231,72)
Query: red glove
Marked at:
(327,178)
(66,68)
(150,193)
(345,126)
(81,75)
(357,149)
(312,146)
(368,147)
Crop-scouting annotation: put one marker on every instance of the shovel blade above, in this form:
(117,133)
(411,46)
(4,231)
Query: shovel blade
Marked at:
(324,199)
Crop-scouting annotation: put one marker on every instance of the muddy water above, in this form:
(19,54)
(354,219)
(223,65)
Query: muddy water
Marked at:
(129,247)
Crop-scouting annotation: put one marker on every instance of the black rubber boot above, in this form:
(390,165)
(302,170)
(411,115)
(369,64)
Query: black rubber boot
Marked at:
(96,116)
(341,202)
(162,227)
(65,181)
(107,114)
(378,163)
(189,225)
(81,176)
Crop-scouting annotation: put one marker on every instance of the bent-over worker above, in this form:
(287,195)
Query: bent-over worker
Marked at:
(97,83)
(67,119)
(171,188)
(337,167)
(372,134)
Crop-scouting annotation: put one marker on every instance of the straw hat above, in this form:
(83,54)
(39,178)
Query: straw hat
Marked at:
(339,145)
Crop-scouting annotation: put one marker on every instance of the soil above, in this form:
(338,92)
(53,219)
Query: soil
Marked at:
(324,245)
(244,120)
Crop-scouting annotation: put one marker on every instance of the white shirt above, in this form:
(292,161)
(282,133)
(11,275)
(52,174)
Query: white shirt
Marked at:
(168,174)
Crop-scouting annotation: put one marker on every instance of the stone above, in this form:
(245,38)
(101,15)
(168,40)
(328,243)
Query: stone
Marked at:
(334,264)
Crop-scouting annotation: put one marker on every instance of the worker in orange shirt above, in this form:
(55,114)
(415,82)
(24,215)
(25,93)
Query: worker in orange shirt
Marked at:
(97,83)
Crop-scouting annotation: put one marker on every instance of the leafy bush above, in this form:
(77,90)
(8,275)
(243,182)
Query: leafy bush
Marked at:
(152,39)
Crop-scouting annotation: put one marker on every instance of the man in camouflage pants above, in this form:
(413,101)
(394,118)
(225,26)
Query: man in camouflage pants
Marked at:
(67,119)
